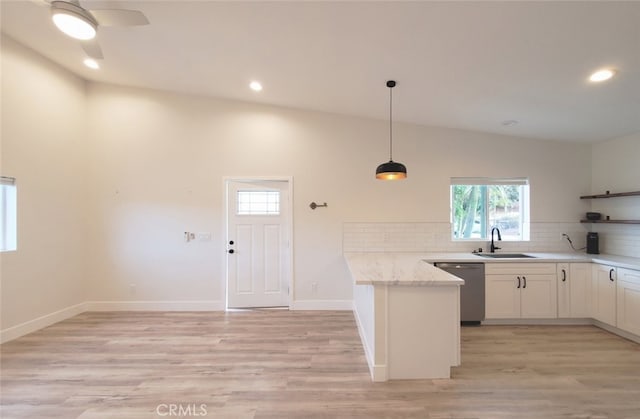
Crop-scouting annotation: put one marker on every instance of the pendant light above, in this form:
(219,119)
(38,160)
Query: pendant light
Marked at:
(391,170)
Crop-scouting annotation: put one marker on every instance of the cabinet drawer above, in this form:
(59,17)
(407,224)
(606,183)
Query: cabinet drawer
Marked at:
(530,268)
(629,276)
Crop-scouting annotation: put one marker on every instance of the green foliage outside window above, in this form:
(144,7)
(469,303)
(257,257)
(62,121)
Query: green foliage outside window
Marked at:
(476,209)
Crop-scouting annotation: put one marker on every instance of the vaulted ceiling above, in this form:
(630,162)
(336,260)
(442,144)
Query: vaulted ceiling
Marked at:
(469,65)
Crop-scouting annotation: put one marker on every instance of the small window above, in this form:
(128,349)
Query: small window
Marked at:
(258,202)
(8,214)
(480,204)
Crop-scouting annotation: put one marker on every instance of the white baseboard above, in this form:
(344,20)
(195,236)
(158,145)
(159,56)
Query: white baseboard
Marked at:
(378,372)
(34,325)
(536,322)
(203,305)
(616,331)
(322,305)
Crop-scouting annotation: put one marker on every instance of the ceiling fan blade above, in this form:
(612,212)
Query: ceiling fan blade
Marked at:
(92,49)
(46,3)
(119,17)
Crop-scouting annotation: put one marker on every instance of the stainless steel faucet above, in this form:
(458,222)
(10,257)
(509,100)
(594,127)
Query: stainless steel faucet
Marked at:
(493,246)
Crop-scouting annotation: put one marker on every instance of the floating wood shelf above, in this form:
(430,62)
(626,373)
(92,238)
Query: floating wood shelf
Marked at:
(611,195)
(612,221)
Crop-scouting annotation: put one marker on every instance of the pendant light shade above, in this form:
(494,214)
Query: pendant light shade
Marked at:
(391,170)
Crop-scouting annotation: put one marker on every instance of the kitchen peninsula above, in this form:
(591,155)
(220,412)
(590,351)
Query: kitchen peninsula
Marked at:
(408,315)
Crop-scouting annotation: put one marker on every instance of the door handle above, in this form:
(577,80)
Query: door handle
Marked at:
(231,251)
(524,279)
(611,274)
(518,282)
(564,275)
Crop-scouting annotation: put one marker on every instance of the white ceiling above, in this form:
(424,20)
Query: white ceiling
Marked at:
(469,65)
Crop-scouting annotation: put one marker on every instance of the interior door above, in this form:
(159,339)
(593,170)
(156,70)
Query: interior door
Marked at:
(258,248)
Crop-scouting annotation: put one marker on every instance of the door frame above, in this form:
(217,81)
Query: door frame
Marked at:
(288,219)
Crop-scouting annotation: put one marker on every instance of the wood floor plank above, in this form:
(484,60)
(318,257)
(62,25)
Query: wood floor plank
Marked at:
(293,364)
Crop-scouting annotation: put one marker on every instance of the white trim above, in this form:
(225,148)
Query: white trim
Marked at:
(198,305)
(7,180)
(378,372)
(323,305)
(518,181)
(41,322)
(538,322)
(616,331)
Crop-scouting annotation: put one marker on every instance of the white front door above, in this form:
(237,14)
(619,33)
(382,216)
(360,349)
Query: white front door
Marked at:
(258,250)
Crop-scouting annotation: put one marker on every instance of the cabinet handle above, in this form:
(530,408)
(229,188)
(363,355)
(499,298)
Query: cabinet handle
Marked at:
(524,279)
(564,275)
(518,282)
(611,274)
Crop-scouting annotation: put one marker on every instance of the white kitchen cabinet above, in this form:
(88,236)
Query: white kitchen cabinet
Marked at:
(603,294)
(520,290)
(574,290)
(628,300)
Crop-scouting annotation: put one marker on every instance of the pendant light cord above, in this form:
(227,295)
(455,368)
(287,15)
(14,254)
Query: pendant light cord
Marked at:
(390,123)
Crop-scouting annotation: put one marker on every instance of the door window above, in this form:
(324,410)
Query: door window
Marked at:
(258,202)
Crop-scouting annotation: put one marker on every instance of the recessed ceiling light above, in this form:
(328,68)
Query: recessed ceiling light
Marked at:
(601,75)
(91,63)
(255,86)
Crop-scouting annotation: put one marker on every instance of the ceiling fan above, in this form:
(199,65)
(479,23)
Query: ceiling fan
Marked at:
(81,23)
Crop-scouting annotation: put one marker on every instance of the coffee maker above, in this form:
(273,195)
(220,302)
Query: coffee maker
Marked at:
(593,246)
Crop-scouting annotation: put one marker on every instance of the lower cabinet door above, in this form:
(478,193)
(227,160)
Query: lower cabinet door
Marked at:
(580,293)
(628,289)
(604,294)
(502,297)
(539,297)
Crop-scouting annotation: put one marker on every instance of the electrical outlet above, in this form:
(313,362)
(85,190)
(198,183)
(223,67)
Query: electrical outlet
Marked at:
(314,287)
(132,289)
(204,236)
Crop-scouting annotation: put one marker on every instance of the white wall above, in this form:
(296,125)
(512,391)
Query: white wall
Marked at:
(110,177)
(616,168)
(44,148)
(156,163)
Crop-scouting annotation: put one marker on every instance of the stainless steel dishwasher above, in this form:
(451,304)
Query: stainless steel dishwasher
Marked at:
(471,293)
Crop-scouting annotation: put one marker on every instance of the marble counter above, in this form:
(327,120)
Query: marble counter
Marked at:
(396,269)
(619,261)
(408,315)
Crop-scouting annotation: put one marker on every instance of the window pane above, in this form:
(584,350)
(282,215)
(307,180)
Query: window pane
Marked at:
(258,202)
(8,214)
(468,207)
(505,211)
(477,208)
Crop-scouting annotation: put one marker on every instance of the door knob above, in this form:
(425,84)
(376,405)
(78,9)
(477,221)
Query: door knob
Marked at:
(231,251)
(231,242)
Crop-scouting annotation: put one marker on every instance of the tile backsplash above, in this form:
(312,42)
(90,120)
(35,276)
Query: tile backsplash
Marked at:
(619,239)
(436,237)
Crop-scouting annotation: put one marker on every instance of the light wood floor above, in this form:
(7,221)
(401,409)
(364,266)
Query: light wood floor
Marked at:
(282,364)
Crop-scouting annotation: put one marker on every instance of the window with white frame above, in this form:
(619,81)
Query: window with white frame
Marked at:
(8,214)
(255,202)
(480,204)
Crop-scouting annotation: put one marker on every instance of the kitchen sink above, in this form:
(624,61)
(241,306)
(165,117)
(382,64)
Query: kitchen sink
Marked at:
(504,255)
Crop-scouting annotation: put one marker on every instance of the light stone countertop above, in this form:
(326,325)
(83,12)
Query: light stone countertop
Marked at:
(537,257)
(618,261)
(381,268)
(415,268)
